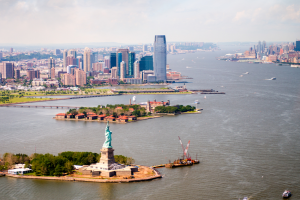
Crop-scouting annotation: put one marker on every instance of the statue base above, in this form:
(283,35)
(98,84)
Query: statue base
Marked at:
(107,158)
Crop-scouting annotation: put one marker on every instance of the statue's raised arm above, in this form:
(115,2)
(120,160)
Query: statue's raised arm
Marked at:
(107,143)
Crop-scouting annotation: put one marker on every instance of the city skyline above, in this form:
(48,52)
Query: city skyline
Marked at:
(50,22)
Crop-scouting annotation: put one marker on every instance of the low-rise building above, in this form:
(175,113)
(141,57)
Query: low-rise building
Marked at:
(60,116)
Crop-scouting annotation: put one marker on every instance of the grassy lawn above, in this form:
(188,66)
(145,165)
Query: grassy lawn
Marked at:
(24,99)
(194,111)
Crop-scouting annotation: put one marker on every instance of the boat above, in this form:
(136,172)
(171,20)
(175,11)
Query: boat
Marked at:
(246,73)
(273,78)
(205,97)
(295,66)
(286,194)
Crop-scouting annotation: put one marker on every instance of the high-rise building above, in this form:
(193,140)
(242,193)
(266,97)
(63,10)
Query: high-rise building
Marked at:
(122,70)
(131,60)
(7,70)
(57,51)
(107,62)
(52,73)
(80,77)
(87,64)
(11,50)
(146,63)
(69,79)
(71,60)
(70,67)
(99,66)
(94,57)
(124,57)
(51,64)
(130,48)
(1,56)
(113,60)
(79,62)
(145,47)
(297,45)
(136,69)
(72,52)
(17,74)
(160,58)
(114,72)
(259,47)
(31,74)
(65,55)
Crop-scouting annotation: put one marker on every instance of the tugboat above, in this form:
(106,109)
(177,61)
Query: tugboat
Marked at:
(286,194)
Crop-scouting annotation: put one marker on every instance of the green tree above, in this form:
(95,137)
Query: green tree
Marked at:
(58,170)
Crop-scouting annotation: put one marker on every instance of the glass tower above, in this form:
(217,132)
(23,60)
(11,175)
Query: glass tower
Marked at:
(113,60)
(119,63)
(160,58)
(146,63)
(131,60)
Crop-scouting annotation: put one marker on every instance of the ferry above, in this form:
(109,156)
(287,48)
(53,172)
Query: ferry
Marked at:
(273,78)
(286,194)
(297,66)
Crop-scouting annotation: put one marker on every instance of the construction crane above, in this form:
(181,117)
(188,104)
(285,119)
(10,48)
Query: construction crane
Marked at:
(185,151)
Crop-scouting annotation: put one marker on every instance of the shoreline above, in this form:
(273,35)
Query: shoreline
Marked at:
(98,180)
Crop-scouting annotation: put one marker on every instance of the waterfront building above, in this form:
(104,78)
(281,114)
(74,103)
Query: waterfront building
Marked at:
(87,60)
(80,77)
(122,70)
(123,57)
(160,58)
(136,69)
(113,60)
(131,60)
(65,55)
(146,63)
(145,73)
(7,70)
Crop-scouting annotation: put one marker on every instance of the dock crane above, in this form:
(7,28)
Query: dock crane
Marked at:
(185,151)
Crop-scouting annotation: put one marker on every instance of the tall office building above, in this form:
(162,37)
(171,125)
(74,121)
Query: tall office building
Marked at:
(259,47)
(114,72)
(79,62)
(11,50)
(1,56)
(113,60)
(131,60)
(146,63)
(145,47)
(87,65)
(65,55)
(7,70)
(52,73)
(107,62)
(136,69)
(124,57)
(94,57)
(72,52)
(122,70)
(17,74)
(31,74)
(160,58)
(297,45)
(71,60)
(51,64)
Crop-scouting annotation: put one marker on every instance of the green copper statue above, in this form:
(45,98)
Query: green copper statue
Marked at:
(107,143)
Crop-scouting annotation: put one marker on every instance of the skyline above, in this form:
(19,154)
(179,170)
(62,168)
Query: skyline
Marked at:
(35,22)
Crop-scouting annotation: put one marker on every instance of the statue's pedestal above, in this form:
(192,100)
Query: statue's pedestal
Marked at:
(107,158)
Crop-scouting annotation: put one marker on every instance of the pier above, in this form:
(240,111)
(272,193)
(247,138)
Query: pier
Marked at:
(34,106)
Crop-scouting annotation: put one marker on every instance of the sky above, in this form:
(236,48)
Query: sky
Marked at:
(138,21)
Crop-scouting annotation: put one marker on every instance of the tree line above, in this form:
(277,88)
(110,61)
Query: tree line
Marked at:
(51,165)
(174,109)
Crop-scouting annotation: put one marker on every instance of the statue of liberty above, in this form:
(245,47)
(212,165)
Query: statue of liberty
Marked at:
(107,143)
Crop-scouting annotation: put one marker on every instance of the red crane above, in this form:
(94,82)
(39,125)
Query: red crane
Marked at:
(185,151)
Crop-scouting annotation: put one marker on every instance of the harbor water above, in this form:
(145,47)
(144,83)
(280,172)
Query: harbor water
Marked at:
(246,140)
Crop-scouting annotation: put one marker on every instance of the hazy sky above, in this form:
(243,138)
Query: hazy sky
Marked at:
(137,21)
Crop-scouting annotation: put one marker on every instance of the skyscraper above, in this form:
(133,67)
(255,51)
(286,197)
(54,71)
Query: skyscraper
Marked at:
(113,60)
(160,58)
(51,64)
(87,60)
(131,60)
(122,70)
(80,77)
(136,69)
(7,70)
(65,55)
(145,48)
(124,58)
(297,45)
(119,57)
(146,63)
(72,52)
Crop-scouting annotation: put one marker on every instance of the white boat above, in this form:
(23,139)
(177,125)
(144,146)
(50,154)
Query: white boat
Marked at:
(246,73)
(286,194)
(273,78)
(205,97)
(295,66)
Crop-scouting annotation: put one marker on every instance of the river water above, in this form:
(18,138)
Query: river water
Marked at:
(246,140)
